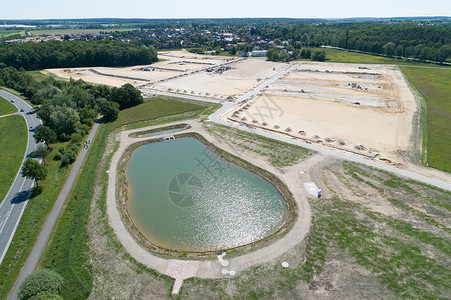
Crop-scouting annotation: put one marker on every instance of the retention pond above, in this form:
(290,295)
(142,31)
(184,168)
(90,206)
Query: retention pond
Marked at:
(185,197)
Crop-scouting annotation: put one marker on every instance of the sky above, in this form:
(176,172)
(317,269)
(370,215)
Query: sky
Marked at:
(57,9)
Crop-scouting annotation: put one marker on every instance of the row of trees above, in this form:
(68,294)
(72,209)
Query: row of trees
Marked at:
(400,39)
(66,54)
(284,55)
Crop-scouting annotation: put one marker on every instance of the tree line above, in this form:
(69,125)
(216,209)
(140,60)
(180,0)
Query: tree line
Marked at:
(406,39)
(68,54)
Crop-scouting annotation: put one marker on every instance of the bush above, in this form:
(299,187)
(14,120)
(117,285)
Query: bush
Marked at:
(46,296)
(85,129)
(68,154)
(39,282)
(76,138)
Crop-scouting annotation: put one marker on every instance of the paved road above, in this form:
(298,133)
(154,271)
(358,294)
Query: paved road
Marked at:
(15,201)
(35,255)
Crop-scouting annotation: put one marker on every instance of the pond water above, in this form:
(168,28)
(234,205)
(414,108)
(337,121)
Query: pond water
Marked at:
(183,196)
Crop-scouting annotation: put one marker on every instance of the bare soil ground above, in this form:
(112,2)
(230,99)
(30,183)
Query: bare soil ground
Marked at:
(369,111)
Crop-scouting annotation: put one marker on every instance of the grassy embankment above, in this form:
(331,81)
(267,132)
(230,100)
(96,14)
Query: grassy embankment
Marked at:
(33,219)
(6,107)
(68,251)
(13,142)
(434,85)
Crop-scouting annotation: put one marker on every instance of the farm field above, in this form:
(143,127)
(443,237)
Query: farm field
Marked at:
(435,86)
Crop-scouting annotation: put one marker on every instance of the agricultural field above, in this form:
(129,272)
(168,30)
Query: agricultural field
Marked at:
(434,84)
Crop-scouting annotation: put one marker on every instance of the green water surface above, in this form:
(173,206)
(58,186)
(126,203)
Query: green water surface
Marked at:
(183,196)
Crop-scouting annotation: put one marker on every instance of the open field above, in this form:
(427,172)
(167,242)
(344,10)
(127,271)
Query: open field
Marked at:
(13,142)
(6,107)
(368,110)
(435,87)
(8,33)
(155,108)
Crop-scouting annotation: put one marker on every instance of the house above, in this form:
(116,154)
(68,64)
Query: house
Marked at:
(258,53)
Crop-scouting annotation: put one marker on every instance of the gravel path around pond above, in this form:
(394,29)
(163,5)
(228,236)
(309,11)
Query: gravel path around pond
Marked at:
(293,177)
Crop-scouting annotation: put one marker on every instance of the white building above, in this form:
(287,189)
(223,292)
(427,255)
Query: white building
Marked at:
(258,53)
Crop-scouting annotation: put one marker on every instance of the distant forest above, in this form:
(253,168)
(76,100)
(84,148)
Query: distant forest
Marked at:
(407,39)
(69,54)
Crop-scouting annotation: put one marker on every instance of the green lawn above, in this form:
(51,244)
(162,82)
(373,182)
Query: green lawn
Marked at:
(6,107)
(434,84)
(153,109)
(13,142)
(342,56)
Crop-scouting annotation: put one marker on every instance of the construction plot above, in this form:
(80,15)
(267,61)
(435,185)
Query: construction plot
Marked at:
(368,110)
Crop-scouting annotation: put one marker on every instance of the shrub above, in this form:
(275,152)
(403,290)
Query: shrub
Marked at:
(76,138)
(39,282)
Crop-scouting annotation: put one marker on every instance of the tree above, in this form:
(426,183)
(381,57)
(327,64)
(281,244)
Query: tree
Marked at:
(318,55)
(41,152)
(65,121)
(126,96)
(45,134)
(34,170)
(109,110)
(389,48)
(40,282)
(272,54)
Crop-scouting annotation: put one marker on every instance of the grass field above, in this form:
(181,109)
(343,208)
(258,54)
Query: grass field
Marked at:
(13,142)
(6,107)
(434,85)
(68,251)
(8,33)
(155,108)
(342,56)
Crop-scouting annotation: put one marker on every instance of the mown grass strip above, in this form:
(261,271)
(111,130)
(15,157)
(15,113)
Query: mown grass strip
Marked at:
(434,85)
(6,107)
(13,142)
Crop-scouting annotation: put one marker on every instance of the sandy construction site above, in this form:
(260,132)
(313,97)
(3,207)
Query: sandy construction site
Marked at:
(366,109)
